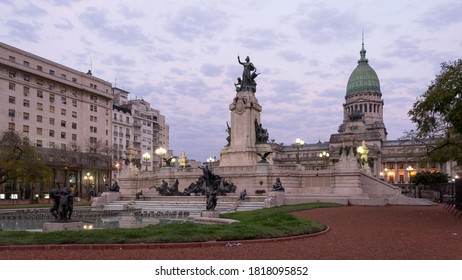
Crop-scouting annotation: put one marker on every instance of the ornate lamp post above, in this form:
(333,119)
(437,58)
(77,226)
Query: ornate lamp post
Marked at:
(160,152)
(409,170)
(298,144)
(210,161)
(146,157)
(88,181)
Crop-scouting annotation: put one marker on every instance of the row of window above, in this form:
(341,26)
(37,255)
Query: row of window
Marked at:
(39,107)
(26,91)
(40,68)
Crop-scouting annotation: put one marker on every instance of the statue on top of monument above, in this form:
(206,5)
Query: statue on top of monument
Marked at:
(248,75)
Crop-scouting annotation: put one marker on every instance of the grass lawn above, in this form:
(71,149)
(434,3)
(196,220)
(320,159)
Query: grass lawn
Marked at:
(264,223)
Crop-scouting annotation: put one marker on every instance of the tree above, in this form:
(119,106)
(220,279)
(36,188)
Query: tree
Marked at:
(438,114)
(19,161)
(429,178)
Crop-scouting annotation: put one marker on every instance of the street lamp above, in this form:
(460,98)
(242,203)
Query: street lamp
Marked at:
(88,181)
(160,152)
(210,161)
(117,165)
(299,144)
(409,170)
(324,154)
(146,157)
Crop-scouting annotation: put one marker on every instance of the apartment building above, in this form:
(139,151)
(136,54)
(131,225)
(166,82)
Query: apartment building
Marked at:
(136,123)
(65,113)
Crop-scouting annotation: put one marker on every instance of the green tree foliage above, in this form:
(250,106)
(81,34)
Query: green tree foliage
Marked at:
(438,114)
(429,178)
(19,161)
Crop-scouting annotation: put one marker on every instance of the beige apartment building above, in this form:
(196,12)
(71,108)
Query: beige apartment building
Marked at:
(136,123)
(69,116)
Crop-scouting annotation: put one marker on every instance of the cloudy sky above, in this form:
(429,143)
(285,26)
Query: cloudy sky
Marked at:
(181,56)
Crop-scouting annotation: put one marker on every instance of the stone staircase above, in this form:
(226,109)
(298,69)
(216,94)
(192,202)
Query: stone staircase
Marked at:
(193,205)
(250,205)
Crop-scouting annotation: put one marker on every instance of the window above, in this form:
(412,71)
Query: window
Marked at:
(12,99)
(52,109)
(127,119)
(63,135)
(11,126)
(51,133)
(52,97)
(39,118)
(74,114)
(40,68)
(26,91)
(63,100)
(63,146)
(26,103)
(51,86)
(39,106)
(93,129)
(52,121)
(52,72)
(40,82)
(12,74)
(26,63)
(74,80)
(12,58)
(38,143)
(25,115)
(63,90)
(51,145)
(25,128)
(74,103)
(74,137)
(63,76)
(74,125)
(12,86)
(39,93)
(93,119)
(63,112)
(11,113)
(93,140)
(39,131)
(63,123)
(93,108)
(94,98)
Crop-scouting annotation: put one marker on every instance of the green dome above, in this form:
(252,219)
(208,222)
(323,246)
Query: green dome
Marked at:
(363,78)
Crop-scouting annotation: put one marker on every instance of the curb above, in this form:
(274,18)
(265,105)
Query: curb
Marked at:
(229,243)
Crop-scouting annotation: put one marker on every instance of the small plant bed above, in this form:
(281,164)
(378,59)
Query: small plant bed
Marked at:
(264,223)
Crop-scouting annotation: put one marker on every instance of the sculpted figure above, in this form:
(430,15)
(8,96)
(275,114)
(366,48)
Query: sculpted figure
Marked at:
(278,185)
(248,75)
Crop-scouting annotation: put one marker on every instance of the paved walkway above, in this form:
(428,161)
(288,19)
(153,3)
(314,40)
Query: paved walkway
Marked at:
(390,232)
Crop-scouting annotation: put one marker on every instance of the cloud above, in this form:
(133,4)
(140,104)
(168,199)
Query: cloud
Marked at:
(130,12)
(291,56)
(65,25)
(31,11)
(95,19)
(211,70)
(191,23)
(260,38)
(23,31)
(321,24)
(441,15)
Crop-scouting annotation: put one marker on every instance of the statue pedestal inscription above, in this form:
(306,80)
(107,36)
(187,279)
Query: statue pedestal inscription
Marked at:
(63,226)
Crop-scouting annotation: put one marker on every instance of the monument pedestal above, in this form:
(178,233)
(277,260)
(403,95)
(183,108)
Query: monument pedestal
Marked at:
(210,214)
(63,226)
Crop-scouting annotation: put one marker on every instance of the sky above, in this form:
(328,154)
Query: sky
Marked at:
(181,56)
